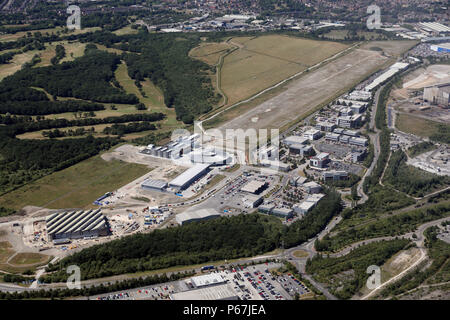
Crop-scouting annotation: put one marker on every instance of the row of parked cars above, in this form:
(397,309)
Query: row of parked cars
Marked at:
(260,282)
(116,296)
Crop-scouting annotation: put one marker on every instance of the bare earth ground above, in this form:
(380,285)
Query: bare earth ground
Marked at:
(432,75)
(309,91)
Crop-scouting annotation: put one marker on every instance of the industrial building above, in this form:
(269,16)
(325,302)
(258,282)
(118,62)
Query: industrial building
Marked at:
(306,206)
(266,208)
(174,149)
(300,149)
(295,140)
(393,70)
(198,215)
(218,292)
(434,27)
(359,95)
(252,201)
(320,161)
(276,165)
(351,121)
(297,181)
(77,224)
(207,280)
(332,137)
(358,141)
(154,185)
(312,187)
(354,105)
(350,133)
(312,134)
(303,207)
(186,178)
(254,186)
(438,94)
(358,155)
(444,47)
(282,212)
(325,126)
(335,175)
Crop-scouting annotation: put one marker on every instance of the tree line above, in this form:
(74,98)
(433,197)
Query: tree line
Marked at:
(197,242)
(121,129)
(45,124)
(48,107)
(391,226)
(87,77)
(93,289)
(411,180)
(328,270)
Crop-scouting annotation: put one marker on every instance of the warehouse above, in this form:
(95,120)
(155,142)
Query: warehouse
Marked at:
(77,224)
(362,142)
(282,212)
(266,208)
(295,140)
(335,175)
(438,94)
(207,280)
(192,216)
(174,149)
(444,47)
(304,207)
(434,27)
(254,186)
(312,187)
(154,185)
(218,292)
(359,95)
(252,201)
(186,178)
(394,69)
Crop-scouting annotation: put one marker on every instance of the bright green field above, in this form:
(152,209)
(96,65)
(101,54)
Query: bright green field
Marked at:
(75,187)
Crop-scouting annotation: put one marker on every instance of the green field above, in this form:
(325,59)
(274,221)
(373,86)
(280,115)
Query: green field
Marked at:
(75,187)
(5,251)
(16,63)
(264,61)
(154,99)
(210,52)
(27,258)
(56,30)
(125,30)
(415,125)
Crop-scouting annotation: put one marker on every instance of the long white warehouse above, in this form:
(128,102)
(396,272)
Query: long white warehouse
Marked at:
(186,178)
(395,68)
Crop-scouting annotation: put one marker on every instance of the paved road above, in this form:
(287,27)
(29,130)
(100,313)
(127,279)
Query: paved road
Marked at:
(375,140)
